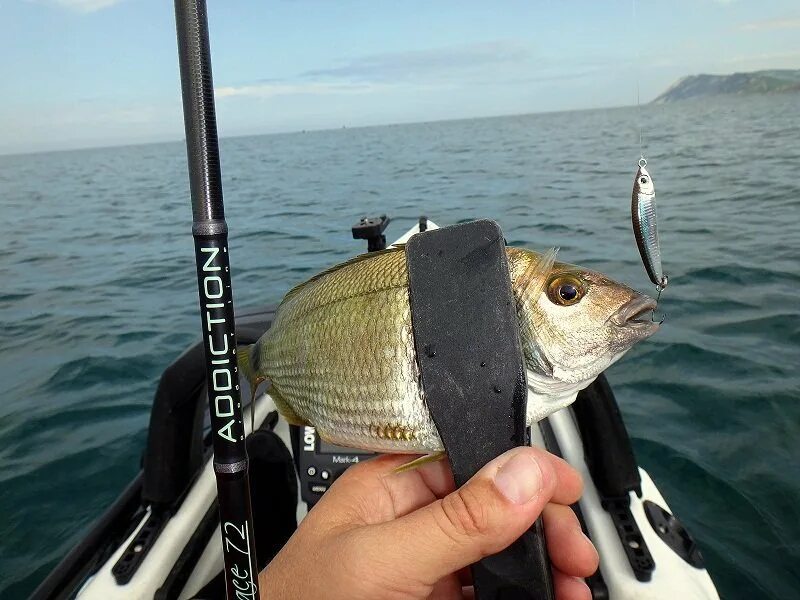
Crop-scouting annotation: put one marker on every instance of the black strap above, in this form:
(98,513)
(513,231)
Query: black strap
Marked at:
(466,335)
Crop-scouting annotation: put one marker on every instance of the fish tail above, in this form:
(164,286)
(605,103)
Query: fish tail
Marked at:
(243,359)
(244,355)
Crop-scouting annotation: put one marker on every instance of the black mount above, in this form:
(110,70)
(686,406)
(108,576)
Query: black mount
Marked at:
(371,229)
(674,534)
(466,335)
(609,456)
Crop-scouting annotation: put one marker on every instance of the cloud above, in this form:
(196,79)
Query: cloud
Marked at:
(272,89)
(435,67)
(497,63)
(772,24)
(424,64)
(83,6)
(767,60)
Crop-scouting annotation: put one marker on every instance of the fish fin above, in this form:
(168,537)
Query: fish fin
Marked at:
(285,410)
(355,260)
(532,281)
(245,364)
(419,462)
(243,359)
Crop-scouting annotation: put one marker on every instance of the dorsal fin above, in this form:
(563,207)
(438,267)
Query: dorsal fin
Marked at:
(355,260)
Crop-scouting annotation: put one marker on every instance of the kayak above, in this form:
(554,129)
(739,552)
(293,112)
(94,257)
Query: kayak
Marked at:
(161,537)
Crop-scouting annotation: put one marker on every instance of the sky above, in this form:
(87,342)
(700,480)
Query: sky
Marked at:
(83,73)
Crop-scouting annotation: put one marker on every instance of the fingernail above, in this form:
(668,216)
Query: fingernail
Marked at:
(520,478)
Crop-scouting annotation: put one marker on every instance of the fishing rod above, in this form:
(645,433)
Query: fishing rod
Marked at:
(216,301)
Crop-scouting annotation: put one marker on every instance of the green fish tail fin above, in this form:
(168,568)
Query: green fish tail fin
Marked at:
(254,378)
(419,462)
(243,354)
(246,370)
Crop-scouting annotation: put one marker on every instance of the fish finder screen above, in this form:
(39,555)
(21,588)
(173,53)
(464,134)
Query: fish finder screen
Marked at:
(324,447)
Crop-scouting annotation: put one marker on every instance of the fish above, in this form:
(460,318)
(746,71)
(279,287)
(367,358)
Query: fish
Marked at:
(340,353)
(645,228)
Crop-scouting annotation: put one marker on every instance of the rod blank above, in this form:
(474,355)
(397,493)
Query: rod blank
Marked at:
(216,302)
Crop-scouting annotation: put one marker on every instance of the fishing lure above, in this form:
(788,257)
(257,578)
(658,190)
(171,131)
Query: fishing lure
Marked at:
(643,217)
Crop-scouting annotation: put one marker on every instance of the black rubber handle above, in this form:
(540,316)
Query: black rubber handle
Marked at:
(521,571)
(466,335)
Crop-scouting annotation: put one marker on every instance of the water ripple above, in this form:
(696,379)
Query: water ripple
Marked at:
(99,300)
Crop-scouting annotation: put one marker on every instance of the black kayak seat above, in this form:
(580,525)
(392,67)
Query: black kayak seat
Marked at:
(175,447)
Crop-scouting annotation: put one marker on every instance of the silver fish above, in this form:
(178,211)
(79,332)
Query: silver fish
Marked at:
(643,217)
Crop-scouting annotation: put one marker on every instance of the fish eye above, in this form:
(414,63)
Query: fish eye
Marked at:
(565,290)
(643,180)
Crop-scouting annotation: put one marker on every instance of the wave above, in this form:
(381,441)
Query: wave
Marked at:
(98,370)
(742,275)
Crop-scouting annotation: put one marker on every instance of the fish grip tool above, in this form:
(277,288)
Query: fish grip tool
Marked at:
(467,341)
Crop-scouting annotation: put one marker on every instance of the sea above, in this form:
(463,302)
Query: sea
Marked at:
(99,295)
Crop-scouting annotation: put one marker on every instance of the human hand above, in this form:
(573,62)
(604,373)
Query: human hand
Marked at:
(379,534)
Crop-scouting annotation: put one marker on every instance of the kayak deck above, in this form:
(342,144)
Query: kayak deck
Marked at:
(161,537)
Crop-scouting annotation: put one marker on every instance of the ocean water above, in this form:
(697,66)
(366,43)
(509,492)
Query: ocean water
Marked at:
(98,296)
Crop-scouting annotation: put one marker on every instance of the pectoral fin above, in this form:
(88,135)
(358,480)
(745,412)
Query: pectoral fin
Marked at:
(419,462)
(532,282)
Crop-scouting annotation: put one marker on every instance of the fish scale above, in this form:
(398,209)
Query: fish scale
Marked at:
(370,387)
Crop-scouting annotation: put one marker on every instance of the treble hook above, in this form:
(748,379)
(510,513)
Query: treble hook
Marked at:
(660,287)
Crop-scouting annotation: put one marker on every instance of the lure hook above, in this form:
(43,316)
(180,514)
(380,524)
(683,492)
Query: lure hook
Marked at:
(660,287)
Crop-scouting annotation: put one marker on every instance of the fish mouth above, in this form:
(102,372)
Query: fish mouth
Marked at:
(636,313)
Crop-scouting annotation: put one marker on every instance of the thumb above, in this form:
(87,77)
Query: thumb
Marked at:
(485,515)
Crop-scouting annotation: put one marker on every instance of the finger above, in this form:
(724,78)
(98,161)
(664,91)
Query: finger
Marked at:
(570,483)
(371,492)
(570,551)
(447,588)
(481,518)
(437,478)
(570,588)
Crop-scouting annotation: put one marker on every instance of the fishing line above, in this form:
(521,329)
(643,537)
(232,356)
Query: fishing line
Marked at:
(661,283)
(638,95)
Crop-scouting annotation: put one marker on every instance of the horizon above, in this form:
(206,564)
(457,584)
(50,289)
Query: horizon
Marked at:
(182,139)
(89,74)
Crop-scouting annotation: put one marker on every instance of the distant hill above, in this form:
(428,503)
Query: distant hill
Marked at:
(757,82)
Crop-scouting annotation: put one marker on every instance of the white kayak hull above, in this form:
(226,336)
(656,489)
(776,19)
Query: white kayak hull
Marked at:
(182,534)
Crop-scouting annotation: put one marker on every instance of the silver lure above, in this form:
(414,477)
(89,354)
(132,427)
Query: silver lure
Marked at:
(643,217)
